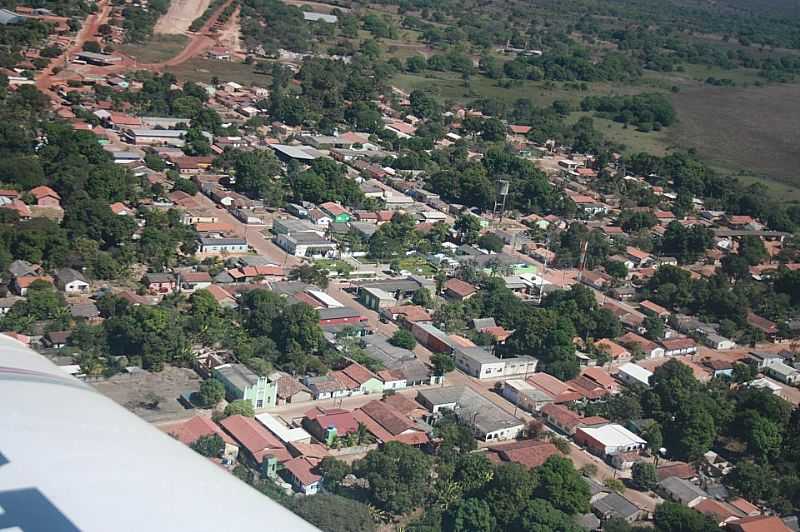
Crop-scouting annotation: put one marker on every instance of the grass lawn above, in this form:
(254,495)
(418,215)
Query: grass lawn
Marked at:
(203,70)
(417,265)
(655,142)
(159,48)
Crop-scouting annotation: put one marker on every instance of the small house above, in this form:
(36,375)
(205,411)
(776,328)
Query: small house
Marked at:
(71,281)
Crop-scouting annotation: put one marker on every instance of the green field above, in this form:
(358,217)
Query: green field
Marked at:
(159,48)
(202,70)
(655,142)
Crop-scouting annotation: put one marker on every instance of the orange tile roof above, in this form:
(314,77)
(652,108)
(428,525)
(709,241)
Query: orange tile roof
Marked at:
(191,430)
(43,192)
(255,438)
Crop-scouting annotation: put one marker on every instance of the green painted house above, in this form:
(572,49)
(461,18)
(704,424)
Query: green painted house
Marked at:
(335,211)
(242,383)
(358,379)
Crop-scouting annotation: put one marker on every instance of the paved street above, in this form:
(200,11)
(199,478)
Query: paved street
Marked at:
(252,233)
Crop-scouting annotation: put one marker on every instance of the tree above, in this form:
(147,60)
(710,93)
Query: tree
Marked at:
(422,297)
(240,407)
(614,485)
(675,517)
(210,445)
(539,515)
(751,249)
(546,335)
(311,274)
(456,436)
(753,481)
(764,438)
(398,476)
(491,242)
(333,472)
(644,475)
(562,486)
(334,513)
(468,227)
(442,364)
(472,515)
(654,327)
(403,338)
(212,391)
(616,269)
(509,490)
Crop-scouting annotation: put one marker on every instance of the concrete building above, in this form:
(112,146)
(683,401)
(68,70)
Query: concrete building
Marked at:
(488,421)
(213,246)
(608,439)
(375,298)
(632,374)
(156,137)
(682,491)
(783,372)
(71,281)
(242,383)
(307,244)
(525,396)
(481,364)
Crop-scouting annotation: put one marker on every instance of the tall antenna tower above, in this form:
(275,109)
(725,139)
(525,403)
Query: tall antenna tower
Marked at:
(500,199)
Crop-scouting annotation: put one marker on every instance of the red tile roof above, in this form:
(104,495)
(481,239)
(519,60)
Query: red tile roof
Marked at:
(656,309)
(333,208)
(43,192)
(678,343)
(25,281)
(759,524)
(342,420)
(219,293)
(191,430)
(460,288)
(529,453)
(601,377)
(519,130)
(358,373)
(411,313)
(255,438)
(196,277)
(679,469)
(612,348)
(387,417)
(302,469)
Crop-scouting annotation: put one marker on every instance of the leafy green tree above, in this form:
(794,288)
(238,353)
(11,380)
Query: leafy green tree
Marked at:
(333,472)
(442,363)
(616,269)
(210,445)
(334,513)
(240,407)
(212,391)
(491,242)
(539,515)
(472,515)
(675,517)
(562,485)
(546,335)
(311,274)
(751,249)
(456,436)
(509,490)
(468,227)
(753,481)
(654,327)
(403,338)
(472,472)
(398,476)
(422,297)
(644,475)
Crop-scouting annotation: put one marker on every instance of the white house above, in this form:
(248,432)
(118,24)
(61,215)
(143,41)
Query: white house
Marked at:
(634,374)
(608,439)
(222,245)
(783,372)
(307,244)
(480,363)
(71,281)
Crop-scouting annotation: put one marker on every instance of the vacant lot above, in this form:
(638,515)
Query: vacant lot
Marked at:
(151,396)
(158,49)
(180,16)
(203,70)
(752,131)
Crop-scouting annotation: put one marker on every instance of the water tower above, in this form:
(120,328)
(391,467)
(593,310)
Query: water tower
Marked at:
(500,199)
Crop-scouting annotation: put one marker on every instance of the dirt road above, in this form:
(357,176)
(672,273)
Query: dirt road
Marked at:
(88,30)
(180,15)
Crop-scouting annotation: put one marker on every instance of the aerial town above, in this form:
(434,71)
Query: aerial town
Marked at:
(391,311)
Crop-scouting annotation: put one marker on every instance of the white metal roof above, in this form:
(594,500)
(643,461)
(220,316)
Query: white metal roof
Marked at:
(613,435)
(637,372)
(73,459)
(327,300)
(284,433)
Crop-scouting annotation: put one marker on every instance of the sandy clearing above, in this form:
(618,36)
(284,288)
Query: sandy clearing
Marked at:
(229,37)
(180,16)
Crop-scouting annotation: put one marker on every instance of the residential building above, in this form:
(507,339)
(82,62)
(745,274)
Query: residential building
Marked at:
(760,523)
(653,309)
(525,396)
(46,197)
(335,211)
(192,429)
(528,453)
(328,424)
(567,421)
(718,368)
(764,359)
(301,474)
(325,387)
(260,447)
(633,374)
(387,424)
(358,379)
(192,281)
(480,363)
(284,433)
(609,439)
(71,281)
(307,244)
(458,290)
(218,245)
(375,298)
(291,391)
(432,338)
(679,346)
(160,282)
(155,137)
(613,350)
(22,283)
(613,505)
(682,491)
(242,383)
(783,372)
(720,511)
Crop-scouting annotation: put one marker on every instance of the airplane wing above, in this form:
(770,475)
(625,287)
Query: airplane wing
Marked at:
(72,459)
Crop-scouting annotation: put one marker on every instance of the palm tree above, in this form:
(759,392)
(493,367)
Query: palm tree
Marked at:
(361,434)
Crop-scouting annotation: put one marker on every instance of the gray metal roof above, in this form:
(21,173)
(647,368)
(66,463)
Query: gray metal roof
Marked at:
(166,133)
(223,241)
(9,17)
(237,374)
(297,152)
(615,505)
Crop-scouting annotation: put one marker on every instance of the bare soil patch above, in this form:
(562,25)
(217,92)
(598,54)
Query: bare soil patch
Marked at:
(180,15)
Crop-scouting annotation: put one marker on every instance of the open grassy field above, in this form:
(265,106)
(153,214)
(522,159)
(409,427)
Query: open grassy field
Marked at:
(159,48)
(655,142)
(746,131)
(203,70)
